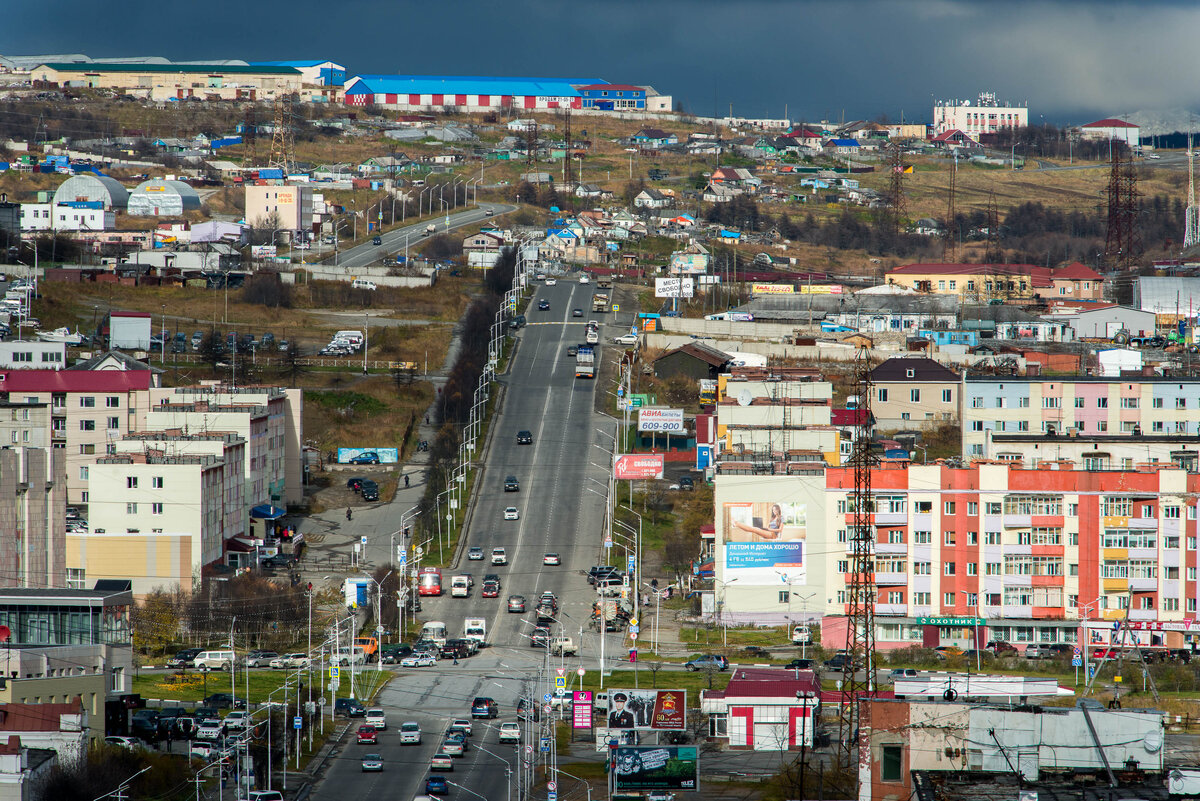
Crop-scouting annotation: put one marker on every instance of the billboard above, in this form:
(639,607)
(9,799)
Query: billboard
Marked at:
(638,466)
(647,710)
(820,289)
(386,455)
(772,289)
(689,263)
(661,420)
(655,767)
(262,251)
(764,542)
(673,287)
(581,709)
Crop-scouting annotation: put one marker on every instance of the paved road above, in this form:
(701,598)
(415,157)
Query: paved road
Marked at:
(393,241)
(561,508)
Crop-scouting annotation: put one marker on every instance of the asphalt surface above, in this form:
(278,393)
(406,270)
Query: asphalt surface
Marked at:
(393,241)
(561,511)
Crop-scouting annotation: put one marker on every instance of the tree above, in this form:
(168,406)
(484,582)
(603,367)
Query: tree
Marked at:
(292,366)
(212,349)
(156,621)
(265,289)
(388,578)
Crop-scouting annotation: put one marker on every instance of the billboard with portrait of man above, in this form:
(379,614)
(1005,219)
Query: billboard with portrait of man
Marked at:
(648,710)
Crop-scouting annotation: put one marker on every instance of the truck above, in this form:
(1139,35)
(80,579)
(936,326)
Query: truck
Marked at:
(460,587)
(429,229)
(563,646)
(585,362)
(610,614)
(604,282)
(600,302)
(475,628)
(545,613)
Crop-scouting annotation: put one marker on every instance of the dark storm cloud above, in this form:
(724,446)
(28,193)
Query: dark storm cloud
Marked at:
(859,58)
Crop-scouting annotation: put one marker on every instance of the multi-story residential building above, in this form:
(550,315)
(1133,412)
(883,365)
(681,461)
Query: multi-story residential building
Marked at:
(32,509)
(965,555)
(1062,405)
(92,405)
(985,116)
(914,392)
(985,282)
(281,456)
(763,412)
(155,519)
(291,207)
(1095,451)
(21,354)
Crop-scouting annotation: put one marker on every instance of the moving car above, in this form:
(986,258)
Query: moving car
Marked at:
(210,730)
(510,732)
(583,279)
(511,484)
(543,305)
(475,554)
(551,281)
(899,673)
(801,664)
(484,707)
(377,240)
(499,556)
(198,750)
(516,603)
(491,589)
(377,718)
(511,513)
(707,662)
(367,735)
(236,720)
(441,761)
(132,743)
(524,437)
(539,637)
(551,559)
(438,784)
(576,312)
(296,660)
(463,725)
(410,733)
(454,746)
(423,659)
(572,350)
(626,339)
(350,707)
(372,762)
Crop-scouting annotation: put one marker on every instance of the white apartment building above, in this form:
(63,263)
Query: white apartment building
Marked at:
(291,205)
(983,116)
(75,216)
(16,354)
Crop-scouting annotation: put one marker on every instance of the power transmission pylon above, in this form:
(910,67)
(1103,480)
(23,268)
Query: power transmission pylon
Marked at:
(948,244)
(860,617)
(993,254)
(283,153)
(895,197)
(1191,216)
(568,173)
(531,143)
(1122,243)
(249,138)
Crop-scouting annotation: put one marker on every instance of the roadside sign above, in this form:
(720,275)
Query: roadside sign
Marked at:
(580,672)
(607,542)
(1076,662)
(363,540)
(633,621)
(297,722)
(379,630)
(529,749)
(633,635)
(632,563)
(321,701)
(551,796)
(546,709)
(560,671)
(616,307)
(333,672)
(546,697)
(552,786)
(1078,652)
(545,745)
(527,763)
(634,629)
(560,682)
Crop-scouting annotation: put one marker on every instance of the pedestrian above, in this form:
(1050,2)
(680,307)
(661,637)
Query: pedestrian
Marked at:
(456,660)
(406,480)
(349,514)
(426,419)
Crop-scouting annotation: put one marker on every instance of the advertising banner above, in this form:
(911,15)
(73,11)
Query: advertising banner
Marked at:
(648,710)
(581,710)
(674,287)
(820,289)
(653,767)
(772,289)
(660,420)
(638,466)
(708,390)
(262,251)
(764,542)
(689,263)
(362,455)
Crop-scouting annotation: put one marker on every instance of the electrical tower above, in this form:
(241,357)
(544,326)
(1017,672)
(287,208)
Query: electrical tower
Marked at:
(993,254)
(860,617)
(568,172)
(1122,244)
(249,138)
(283,143)
(948,245)
(895,196)
(1191,215)
(531,144)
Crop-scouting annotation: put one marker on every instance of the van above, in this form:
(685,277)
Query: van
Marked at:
(362,283)
(460,587)
(434,630)
(355,337)
(346,655)
(214,660)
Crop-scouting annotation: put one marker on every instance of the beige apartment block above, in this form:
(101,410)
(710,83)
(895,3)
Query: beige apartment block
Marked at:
(175,81)
(32,517)
(914,392)
(286,207)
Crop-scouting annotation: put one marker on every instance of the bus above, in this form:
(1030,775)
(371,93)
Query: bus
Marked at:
(429,582)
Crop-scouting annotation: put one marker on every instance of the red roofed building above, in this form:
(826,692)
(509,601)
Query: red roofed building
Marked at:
(983,282)
(954,138)
(1111,128)
(62,727)
(765,709)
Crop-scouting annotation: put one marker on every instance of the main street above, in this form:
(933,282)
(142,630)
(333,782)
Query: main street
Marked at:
(561,502)
(393,242)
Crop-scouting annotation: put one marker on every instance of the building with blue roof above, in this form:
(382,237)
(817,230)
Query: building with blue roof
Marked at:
(318,73)
(465,93)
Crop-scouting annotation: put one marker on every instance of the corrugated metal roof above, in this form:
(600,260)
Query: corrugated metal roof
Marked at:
(468,85)
(178,68)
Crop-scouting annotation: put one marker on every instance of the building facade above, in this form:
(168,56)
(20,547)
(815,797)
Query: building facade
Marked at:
(164,82)
(1127,406)
(985,282)
(465,94)
(914,392)
(985,116)
(284,207)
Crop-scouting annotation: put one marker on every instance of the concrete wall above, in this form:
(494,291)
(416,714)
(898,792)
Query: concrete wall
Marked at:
(326,272)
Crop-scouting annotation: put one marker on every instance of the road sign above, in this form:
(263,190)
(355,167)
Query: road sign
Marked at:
(546,697)
(321,701)
(580,672)
(1078,652)
(560,682)
(333,672)
(363,540)
(297,722)
(607,543)
(527,764)
(529,749)
(546,709)
(560,671)
(545,745)
(379,630)
(633,621)
(616,307)
(632,563)
(1077,662)
(551,796)
(633,635)
(552,786)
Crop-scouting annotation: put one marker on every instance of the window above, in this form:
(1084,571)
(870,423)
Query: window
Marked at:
(948,568)
(893,763)
(972,599)
(972,508)
(1101,426)
(895,597)
(1170,604)
(783,594)
(914,395)
(1051,403)
(993,508)
(948,508)
(1073,569)
(1181,403)
(1129,403)
(113,401)
(1116,507)
(923,507)
(1079,403)
(841,596)
(131,482)
(921,568)
(1171,512)
(76,579)
(157,509)
(1022,425)
(992,568)
(947,396)
(114,423)
(131,508)
(1191,541)
(972,569)
(883,395)
(87,425)
(920,599)
(1101,403)
(1072,601)
(891,566)
(1033,505)
(1191,604)
(1157,403)
(926,537)
(843,566)
(1018,596)
(1000,403)
(1023,402)
(972,538)
(948,599)
(992,598)
(83,473)
(87,402)
(948,538)
(895,537)
(976,403)
(991,538)
(156,482)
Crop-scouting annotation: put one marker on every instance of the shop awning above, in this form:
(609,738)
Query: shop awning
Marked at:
(267,512)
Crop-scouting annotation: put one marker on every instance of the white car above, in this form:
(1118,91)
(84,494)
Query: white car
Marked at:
(453,748)
(296,660)
(551,282)
(510,732)
(499,556)
(511,513)
(475,554)
(626,339)
(463,725)
(441,761)
(410,733)
(132,743)
(551,559)
(201,750)
(583,279)
(236,720)
(541,276)
(210,730)
(376,718)
(419,660)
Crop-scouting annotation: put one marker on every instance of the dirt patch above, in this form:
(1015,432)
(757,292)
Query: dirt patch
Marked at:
(335,494)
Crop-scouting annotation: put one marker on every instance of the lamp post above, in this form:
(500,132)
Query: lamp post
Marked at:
(724,616)
(508,772)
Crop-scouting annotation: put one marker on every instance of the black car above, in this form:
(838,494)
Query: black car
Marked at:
(277,561)
(355,483)
(598,573)
(540,638)
(455,649)
(391,654)
(543,305)
(349,707)
(572,350)
(185,658)
(687,483)
(801,664)
(370,492)
(524,437)
(224,701)
(511,484)
(377,240)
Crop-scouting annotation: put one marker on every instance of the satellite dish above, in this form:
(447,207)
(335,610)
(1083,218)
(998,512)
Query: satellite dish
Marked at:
(744,398)
(5,633)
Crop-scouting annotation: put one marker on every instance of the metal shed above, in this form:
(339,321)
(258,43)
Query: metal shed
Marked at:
(156,198)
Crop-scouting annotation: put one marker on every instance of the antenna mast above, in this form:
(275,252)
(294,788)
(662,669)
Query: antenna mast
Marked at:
(1191,216)
(948,250)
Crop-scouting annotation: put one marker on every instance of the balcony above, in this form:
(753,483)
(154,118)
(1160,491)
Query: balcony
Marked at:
(894,610)
(1115,584)
(891,579)
(1018,521)
(1143,614)
(1143,584)
(890,519)
(891,548)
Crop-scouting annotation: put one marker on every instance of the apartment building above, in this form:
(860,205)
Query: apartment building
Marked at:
(20,354)
(914,392)
(762,412)
(1095,451)
(965,555)
(32,513)
(290,207)
(284,455)
(92,405)
(1087,405)
(154,519)
(984,282)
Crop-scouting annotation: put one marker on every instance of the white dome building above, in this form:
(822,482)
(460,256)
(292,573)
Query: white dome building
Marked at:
(92,188)
(158,198)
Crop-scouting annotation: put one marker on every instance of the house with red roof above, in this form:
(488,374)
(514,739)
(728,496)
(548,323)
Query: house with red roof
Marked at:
(984,282)
(61,727)
(1112,128)
(954,139)
(765,709)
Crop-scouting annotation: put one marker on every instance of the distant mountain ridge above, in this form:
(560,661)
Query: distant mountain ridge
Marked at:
(1164,121)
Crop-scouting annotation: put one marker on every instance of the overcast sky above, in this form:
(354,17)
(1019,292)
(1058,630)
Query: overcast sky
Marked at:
(1069,59)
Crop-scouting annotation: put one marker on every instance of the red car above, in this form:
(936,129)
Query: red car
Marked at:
(490,590)
(366,735)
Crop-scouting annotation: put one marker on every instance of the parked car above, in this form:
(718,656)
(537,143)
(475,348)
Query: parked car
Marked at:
(366,457)
(899,673)
(132,743)
(947,651)
(801,664)
(1000,647)
(236,720)
(224,701)
(707,662)
(423,659)
(185,658)
(349,707)
(839,661)
(1038,652)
